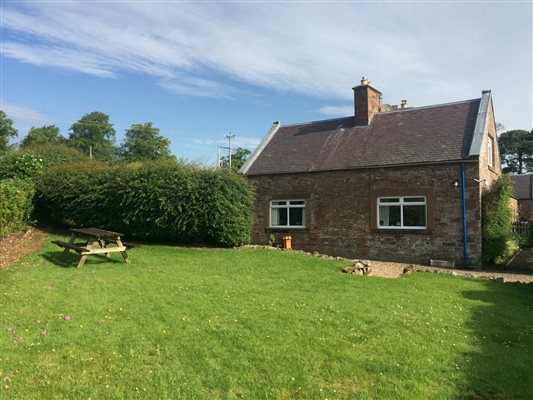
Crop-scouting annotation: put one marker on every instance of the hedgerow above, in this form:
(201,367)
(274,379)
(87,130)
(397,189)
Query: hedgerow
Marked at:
(496,219)
(33,160)
(162,200)
(15,204)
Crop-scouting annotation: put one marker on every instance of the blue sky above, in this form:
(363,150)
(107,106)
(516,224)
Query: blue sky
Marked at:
(201,70)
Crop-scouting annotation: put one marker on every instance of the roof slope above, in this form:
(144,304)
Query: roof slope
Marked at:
(414,135)
(522,185)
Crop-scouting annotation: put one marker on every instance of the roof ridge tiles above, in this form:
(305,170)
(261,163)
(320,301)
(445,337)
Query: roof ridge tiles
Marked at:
(400,110)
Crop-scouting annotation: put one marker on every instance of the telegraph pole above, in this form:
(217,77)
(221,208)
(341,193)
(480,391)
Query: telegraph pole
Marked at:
(230,137)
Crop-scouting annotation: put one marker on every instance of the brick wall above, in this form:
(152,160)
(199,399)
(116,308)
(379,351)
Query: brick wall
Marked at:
(486,172)
(341,208)
(525,208)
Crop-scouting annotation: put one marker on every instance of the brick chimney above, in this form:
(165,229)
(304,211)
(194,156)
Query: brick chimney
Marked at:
(367,102)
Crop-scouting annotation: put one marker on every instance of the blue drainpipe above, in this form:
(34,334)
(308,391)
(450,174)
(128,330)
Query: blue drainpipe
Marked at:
(463,195)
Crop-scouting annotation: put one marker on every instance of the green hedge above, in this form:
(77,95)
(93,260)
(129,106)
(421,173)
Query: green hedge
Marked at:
(165,200)
(15,204)
(496,219)
(32,161)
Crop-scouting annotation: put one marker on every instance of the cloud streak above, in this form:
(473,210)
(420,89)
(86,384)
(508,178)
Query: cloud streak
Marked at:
(243,43)
(24,117)
(316,49)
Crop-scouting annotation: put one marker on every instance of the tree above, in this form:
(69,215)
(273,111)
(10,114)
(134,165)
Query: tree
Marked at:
(7,130)
(94,130)
(237,159)
(516,150)
(143,142)
(48,134)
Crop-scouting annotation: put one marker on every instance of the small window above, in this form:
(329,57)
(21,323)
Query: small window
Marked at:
(287,213)
(402,212)
(490,151)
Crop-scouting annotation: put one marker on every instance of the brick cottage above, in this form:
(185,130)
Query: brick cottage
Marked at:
(389,183)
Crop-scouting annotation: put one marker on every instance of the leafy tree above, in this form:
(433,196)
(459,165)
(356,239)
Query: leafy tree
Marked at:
(237,159)
(7,130)
(94,130)
(43,135)
(143,142)
(516,150)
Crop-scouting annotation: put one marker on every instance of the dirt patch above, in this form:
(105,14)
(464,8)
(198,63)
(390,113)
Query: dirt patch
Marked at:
(19,244)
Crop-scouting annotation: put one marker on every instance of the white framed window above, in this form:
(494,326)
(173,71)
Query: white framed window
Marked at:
(490,151)
(406,212)
(287,213)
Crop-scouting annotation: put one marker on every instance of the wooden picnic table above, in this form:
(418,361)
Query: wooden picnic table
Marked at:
(93,237)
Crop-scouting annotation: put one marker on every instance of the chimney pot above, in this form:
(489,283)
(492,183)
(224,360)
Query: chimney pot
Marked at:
(364,81)
(404,104)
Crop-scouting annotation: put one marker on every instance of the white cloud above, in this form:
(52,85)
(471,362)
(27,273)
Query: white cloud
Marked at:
(24,117)
(193,86)
(247,142)
(271,45)
(239,141)
(23,113)
(425,52)
(337,111)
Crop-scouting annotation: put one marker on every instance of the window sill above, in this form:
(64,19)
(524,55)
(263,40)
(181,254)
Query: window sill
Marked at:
(285,229)
(402,231)
(492,169)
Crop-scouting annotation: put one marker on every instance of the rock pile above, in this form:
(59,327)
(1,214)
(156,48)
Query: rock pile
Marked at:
(359,267)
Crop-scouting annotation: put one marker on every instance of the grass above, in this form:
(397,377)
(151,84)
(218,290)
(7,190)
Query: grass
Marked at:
(259,324)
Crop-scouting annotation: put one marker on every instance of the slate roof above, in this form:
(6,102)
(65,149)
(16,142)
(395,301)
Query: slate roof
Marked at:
(407,136)
(523,185)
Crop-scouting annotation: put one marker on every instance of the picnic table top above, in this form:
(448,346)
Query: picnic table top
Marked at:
(98,233)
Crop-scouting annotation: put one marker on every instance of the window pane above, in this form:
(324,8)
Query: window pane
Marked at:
(414,200)
(414,215)
(389,216)
(279,203)
(278,216)
(297,202)
(296,217)
(389,200)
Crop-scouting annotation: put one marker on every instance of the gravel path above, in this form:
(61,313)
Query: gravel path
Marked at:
(394,270)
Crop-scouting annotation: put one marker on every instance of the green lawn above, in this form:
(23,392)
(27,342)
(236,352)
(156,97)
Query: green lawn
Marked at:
(255,324)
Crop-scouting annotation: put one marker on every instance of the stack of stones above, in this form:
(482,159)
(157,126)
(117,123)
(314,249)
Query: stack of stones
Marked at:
(359,267)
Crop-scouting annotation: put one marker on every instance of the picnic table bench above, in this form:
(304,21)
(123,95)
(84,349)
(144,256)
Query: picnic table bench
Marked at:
(93,236)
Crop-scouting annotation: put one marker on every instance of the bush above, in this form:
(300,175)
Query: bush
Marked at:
(15,204)
(167,200)
(31,161)
(496,219)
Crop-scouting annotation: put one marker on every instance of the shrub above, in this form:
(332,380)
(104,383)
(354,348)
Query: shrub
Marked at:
(496,219)
(15,204)
(33,160)
(167,200)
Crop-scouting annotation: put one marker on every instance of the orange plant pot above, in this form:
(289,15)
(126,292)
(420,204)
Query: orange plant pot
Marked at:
(287,242)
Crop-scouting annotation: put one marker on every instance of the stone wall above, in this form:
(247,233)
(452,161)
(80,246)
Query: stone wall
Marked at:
(341,212)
